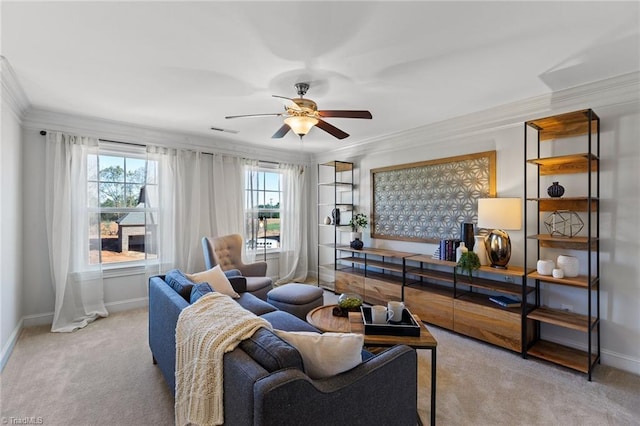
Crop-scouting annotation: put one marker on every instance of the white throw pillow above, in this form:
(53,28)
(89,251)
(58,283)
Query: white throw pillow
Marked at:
(326,354)
(216,279)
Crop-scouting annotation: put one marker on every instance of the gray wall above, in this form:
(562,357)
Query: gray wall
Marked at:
(11,296)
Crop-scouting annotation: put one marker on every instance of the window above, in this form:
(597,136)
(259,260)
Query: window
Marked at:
(263,194)
(122,225)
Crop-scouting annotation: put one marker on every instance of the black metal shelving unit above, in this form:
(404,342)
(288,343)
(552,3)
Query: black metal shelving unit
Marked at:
(559,144)
(335,191)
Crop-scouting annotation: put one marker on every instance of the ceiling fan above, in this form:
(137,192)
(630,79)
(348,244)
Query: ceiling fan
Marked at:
(302,114)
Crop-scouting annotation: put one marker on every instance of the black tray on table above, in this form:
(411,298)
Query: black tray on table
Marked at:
(407,327)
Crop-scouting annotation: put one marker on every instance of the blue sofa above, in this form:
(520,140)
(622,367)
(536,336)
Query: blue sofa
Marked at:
(264,378)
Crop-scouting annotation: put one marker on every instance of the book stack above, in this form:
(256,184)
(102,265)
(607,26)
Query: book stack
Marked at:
(448,249)
(436,254)
(505,301)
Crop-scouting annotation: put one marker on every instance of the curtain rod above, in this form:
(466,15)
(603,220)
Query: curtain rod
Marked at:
(44,133)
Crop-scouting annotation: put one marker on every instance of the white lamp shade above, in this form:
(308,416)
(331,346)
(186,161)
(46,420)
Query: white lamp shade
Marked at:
(500,213)
(301,124)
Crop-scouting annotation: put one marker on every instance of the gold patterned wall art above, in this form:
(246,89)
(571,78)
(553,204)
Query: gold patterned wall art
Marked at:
(427,201)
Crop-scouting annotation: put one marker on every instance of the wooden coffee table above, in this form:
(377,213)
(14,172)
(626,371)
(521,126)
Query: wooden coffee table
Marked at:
(322,318)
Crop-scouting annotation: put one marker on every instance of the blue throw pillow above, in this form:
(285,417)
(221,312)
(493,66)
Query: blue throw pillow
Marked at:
(199,290)
(179,282)
(233,273)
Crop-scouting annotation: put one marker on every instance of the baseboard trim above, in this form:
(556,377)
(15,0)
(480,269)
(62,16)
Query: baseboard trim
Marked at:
(126,305)
(11,343)
(47,319)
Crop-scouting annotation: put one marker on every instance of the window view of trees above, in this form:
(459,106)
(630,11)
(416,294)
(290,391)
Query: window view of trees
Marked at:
(262,208)
(121,223)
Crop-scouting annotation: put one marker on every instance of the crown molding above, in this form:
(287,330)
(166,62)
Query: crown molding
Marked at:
(40,119)
(12,92)
(616,91)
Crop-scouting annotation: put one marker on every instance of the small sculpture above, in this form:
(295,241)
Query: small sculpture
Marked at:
(564,223)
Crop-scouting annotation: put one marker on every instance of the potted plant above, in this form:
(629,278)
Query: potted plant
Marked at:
(358,221)
(469,261)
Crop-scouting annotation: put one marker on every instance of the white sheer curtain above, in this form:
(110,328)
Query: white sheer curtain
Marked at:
(199,195)
(250,206)
(160,198)
(294,224)
(79,293)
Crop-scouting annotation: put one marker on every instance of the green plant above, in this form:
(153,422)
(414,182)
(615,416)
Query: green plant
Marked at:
(469,262)
(358,220)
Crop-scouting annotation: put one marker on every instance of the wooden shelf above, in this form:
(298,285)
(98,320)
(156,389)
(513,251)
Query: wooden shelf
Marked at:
(333,184)
(562,318)
(427,258)
(581,281)
(565,125)
(578,204)
(395,267)
(430,287)
(487,284)
(572,243)
(339,166)
(432,274)
(483,299)
(393,279)
(376,251)
(566,164)
(563,355)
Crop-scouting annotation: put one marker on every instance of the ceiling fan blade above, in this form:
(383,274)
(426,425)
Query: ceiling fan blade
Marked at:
(275,114)
(345,113)
(288,102)
(333,130)
(220,129)
(281,132)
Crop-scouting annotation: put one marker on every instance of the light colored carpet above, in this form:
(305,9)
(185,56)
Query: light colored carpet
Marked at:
(103,375)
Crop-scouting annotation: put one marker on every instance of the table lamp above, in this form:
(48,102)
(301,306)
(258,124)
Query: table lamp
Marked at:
(499,214)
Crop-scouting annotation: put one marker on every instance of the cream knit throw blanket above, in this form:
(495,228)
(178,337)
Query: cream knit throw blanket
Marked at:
(206,330)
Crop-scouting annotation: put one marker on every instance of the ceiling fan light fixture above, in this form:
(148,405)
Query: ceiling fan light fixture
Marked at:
(301,124)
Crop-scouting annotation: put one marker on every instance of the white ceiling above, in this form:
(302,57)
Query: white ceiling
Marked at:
(184,66)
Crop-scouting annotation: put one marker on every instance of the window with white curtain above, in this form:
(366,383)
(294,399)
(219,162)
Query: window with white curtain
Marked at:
(263,197)
(122,226)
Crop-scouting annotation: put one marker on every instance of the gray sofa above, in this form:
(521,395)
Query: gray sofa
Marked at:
(264,378)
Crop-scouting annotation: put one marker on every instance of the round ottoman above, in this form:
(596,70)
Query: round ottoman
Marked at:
(297,299)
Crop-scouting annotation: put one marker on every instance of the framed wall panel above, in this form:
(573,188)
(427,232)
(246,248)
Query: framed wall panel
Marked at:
(427,201)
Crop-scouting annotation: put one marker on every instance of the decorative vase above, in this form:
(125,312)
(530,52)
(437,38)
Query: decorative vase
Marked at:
(545,267)
(461,249)
(556,190)
(569,265)
(466,235)
(480,249)
(327,220)
(357,244)
(335,214)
